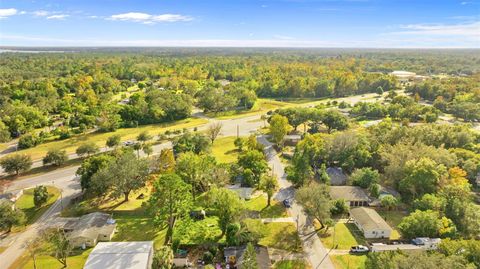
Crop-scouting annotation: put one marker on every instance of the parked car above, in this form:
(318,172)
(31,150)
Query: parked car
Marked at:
(287,203)
(128,143)
(359,249)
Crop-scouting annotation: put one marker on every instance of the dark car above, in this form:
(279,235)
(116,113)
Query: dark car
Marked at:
(287,203)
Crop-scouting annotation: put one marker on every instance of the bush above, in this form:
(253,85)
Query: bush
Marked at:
(389,202)
(339,207)
(40,195)
(29,141)
(208,257)
(365,177)
(55,157)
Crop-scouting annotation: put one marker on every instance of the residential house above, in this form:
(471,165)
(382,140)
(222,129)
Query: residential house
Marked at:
(90,229)
(354,195)
(370,223)
(120,255)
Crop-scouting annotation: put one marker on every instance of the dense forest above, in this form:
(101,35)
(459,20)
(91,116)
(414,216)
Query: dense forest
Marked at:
(106,89)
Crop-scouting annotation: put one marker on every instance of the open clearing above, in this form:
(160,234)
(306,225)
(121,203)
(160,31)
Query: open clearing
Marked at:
(71,144)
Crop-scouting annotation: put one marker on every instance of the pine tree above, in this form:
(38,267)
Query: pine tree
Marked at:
(249,258)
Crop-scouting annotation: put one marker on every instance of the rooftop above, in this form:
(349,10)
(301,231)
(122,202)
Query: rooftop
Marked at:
(349,193)
(91,225)
(337,177)
(110,255)
(369,219)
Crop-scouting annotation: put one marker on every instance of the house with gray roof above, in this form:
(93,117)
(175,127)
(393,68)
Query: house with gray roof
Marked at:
(353,195)
(370,223)
(337,177)
(89,229)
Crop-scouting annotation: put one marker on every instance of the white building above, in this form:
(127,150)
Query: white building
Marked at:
(120,255)
(370,223)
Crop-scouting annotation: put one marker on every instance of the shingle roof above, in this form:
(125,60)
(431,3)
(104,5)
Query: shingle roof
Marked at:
(337,177)
(349,193)
(91,225)
(369,219)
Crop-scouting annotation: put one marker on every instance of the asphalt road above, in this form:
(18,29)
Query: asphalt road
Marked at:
(66,181)
(316,253)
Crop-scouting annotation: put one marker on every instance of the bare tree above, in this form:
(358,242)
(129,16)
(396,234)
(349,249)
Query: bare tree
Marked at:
(60,245)
(214,130)
(34,248)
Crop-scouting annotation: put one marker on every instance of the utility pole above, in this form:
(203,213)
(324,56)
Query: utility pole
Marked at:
(238,131)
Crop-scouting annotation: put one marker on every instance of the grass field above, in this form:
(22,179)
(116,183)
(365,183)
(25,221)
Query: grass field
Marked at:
(32,213)
(349,261)
(71,144)
(75,261)
(259,204)
(345,236)
(224,150)
(261,106)
(281,235)
(133,227)
(292,264)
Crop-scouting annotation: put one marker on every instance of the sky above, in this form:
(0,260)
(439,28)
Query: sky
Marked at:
(242,23)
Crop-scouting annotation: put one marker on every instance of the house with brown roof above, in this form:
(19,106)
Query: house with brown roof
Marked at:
(354,195)
(370,223)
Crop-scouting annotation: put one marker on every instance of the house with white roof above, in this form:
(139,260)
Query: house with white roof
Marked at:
(120,255)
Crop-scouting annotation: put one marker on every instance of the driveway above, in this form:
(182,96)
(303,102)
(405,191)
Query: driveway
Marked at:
(314,250)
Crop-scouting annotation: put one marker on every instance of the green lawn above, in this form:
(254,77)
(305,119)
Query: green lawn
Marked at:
(224,150)
(198,232)
(349,261)
(346,235)
(75,261)
(32,213)
(259,204)
(292,264)
(393,218)
(131,227)
(71,144)
(260,107)
(281,235)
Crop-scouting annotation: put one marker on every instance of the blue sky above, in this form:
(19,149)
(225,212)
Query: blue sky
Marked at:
(241,23)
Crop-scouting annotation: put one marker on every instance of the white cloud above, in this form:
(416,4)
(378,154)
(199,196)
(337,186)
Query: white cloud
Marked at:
(7,12)
(40,13)
(148,18)
(57,17)
(467,30)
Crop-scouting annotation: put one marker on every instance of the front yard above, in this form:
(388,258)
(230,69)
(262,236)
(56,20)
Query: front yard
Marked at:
(349,261)
(344,236)
(32,213)
(259,206)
